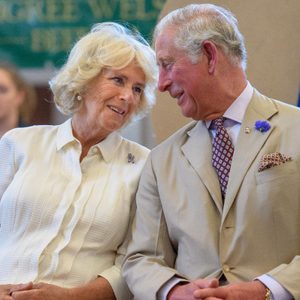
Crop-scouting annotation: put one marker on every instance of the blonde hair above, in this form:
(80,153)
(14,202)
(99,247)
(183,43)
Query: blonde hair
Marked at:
(107,45)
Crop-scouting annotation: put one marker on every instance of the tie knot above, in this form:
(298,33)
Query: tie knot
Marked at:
(218,122)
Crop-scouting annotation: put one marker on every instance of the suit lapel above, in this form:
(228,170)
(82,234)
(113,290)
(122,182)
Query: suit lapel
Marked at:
(248,144)
(197,150)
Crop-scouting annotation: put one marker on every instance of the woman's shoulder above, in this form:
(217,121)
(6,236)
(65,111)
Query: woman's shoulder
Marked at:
(29,130)
(31,135)
(128,145)
(133,151)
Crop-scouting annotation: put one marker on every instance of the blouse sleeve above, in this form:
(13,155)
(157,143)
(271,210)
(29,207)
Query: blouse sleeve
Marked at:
(7,163)
(113,274)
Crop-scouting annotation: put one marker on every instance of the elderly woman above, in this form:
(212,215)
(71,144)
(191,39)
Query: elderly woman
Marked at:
(67,192)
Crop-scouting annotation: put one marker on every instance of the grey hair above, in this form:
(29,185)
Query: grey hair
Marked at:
(196,23)
(107,45)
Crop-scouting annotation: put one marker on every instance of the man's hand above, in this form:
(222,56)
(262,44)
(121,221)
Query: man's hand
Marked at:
(253,290)
(186,291)
(42,291)
(6,290)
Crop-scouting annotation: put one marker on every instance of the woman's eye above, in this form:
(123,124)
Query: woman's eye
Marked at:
(138,90)
(118,80)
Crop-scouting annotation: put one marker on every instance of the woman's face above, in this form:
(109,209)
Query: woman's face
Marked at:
(10,97)
(113,97)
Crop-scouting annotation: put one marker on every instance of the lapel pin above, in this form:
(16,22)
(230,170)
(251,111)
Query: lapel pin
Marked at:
(247,130)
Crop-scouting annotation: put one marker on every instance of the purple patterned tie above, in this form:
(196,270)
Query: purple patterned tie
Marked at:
(222,152)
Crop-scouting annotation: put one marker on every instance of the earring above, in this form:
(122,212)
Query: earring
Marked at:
(78,98)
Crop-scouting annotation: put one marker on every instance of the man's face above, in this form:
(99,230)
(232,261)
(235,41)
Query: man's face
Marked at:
(189,83)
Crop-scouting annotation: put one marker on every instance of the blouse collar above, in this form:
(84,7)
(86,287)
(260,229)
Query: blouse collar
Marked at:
(107,147)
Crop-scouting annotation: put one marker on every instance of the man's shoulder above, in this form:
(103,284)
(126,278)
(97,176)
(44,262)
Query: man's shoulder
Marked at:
(286,107)
(280,105)
(273,109)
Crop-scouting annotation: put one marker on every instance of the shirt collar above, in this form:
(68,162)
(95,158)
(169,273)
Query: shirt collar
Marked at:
(64,135)
(107,147)
(237,109)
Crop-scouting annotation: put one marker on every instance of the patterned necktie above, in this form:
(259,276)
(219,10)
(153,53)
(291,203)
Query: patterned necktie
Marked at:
(222,152)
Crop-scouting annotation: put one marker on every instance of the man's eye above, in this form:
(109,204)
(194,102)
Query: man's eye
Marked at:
(167,65)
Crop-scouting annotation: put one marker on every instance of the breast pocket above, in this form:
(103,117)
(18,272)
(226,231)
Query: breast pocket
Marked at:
(283,172)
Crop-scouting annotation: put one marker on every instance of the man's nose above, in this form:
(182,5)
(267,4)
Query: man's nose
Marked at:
(163,82)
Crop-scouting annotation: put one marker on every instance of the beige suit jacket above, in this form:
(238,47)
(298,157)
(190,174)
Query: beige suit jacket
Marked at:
(183,229)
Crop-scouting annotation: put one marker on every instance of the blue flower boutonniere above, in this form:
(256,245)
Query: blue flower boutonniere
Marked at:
(262,126)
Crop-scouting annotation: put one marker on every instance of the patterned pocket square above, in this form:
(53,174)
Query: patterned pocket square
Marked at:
(271,160)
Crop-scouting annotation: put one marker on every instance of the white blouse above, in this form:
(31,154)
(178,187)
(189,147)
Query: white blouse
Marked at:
(63,221)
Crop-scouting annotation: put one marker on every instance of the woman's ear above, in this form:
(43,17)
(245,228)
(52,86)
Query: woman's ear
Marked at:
(210,51)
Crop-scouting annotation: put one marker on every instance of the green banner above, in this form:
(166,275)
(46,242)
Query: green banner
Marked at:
(34,33)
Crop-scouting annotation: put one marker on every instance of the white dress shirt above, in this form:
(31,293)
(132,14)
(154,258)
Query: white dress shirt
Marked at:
(234,116)
(63,221)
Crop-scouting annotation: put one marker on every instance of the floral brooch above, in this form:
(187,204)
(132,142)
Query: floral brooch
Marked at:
(262,126)
(130,158)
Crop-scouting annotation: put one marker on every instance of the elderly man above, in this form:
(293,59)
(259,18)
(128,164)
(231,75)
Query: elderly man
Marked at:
(218,206)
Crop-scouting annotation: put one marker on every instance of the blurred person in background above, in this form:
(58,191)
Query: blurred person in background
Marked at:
(67,191)
(17,99)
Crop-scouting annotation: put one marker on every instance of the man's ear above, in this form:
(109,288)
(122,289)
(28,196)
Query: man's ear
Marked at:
(210,51)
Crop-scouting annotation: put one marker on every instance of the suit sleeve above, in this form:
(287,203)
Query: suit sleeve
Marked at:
(150,256)
(288,275)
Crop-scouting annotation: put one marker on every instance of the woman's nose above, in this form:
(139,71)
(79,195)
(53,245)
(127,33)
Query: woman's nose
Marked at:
(126,94)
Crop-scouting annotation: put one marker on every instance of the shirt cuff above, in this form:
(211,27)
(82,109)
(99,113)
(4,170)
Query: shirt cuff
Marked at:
(166,288)
(278,292)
